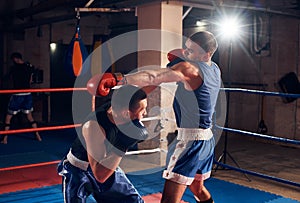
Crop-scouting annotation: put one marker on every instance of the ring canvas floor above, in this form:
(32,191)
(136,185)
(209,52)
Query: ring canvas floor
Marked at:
(31,185)
(42,184)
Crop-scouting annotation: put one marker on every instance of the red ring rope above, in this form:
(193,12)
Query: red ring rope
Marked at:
(29,165)
(39,129)
(43,90)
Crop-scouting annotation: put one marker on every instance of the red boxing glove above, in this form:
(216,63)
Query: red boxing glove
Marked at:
(107,82)
(101,84)
(175,56)
(175,53)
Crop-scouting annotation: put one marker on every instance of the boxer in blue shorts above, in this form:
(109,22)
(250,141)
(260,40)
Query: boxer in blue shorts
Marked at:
(199,80)
(21,74)
(91,167)
(20,102)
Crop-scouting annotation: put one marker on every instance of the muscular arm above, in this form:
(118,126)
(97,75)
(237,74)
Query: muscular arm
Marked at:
(102,164)
(184,72)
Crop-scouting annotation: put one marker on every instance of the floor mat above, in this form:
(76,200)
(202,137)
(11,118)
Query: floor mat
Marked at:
(27,178)
(19,159)
(222,191)
(41,184)
(150,186)
(23,149)
(55,142)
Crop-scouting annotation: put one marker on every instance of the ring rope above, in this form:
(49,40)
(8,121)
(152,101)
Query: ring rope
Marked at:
(151,118)
(43,90)
(155,118)
(260,92)
(280,139)
(40,90)
(146,151)
(25,130)
(259,174)
(29,165)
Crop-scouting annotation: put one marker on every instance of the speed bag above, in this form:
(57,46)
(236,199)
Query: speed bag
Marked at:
(76,55)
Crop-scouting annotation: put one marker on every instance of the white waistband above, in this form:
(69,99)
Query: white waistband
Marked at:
(194,134)
(77,162)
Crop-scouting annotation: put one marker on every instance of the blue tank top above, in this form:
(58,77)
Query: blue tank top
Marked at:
(194,109)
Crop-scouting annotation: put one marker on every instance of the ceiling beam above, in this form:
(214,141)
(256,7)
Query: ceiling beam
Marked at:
(44,6)
(35,23)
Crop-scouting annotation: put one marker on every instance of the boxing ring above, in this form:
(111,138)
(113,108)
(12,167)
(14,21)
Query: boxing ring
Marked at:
(60,127)
(28,130)
(50,165)
(2,132)
(227,129)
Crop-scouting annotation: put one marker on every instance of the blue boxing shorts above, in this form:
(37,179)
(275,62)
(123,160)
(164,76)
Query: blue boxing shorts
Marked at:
(190,158)
(78,184)
(20,102)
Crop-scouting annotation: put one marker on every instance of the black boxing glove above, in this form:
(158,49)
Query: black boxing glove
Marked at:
(129,134)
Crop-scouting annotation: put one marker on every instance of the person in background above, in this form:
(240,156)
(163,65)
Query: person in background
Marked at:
(21,74)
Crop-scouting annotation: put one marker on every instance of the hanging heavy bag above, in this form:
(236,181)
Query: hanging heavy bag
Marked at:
(289,84)
(76,55)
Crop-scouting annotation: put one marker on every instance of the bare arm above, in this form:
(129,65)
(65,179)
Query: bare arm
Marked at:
(182,72)
(102,164)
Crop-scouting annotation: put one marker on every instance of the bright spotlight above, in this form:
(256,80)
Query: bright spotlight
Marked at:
(200,23)
(52,47)
(230,27)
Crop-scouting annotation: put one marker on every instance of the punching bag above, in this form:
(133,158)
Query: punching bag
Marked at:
(76,55)
(289,84)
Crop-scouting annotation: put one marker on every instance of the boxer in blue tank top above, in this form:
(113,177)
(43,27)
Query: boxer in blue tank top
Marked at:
(91,165)
(190,159)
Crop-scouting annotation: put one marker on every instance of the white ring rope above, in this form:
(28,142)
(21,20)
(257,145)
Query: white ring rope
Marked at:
(145,151)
